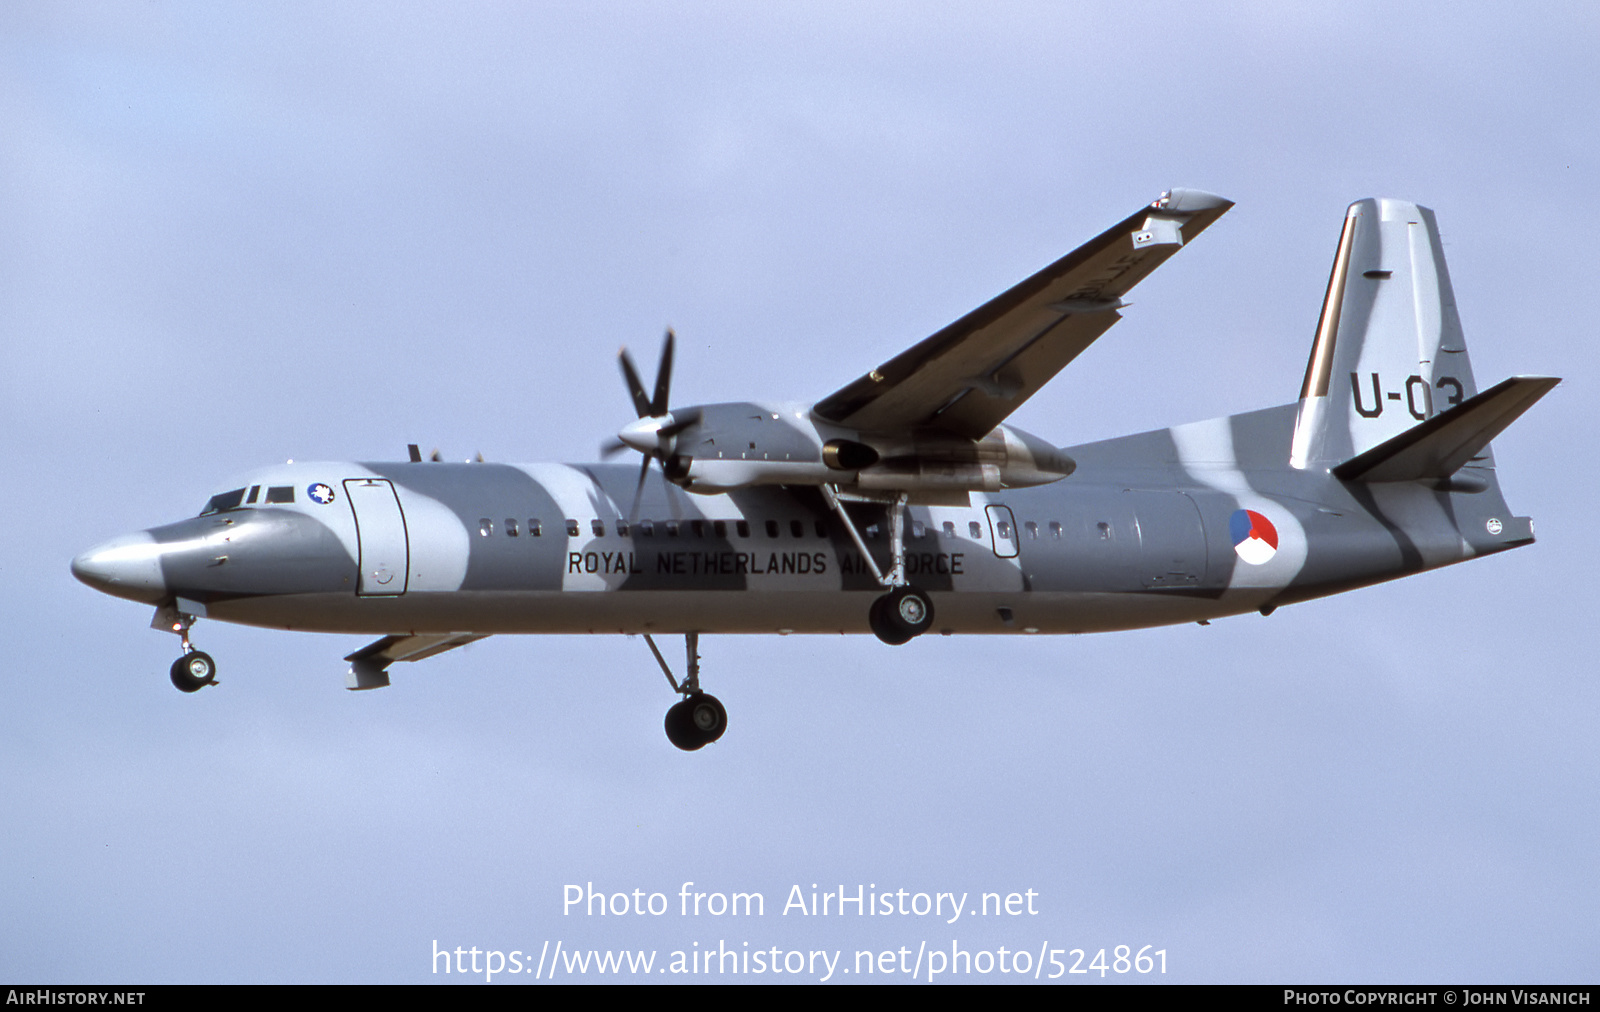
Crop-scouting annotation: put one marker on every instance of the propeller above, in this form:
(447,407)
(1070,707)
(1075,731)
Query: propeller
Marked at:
(655,432)
(415,453)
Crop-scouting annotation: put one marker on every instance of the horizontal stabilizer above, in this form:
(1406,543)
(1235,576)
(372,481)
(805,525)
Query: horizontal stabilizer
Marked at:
(1443,444)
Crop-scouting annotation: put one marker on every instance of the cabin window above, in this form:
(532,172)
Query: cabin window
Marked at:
(918,529)
(599,528)
(949,529)
(871,531)
(1104,529)
(280,493)
(511,527)
(485,527)
(622,528)
(533,528)
(772,528)
(672,528)
(647,529)
(572,528)
(698,528)
(975,529)
(743,527)
(720,528)
(1055,529)
(1032,529)
(797,529)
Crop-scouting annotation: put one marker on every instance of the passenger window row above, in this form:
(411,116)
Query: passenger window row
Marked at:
(650,528)
(719,528)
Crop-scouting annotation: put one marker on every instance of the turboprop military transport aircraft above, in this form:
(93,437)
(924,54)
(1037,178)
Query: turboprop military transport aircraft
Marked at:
(901,504)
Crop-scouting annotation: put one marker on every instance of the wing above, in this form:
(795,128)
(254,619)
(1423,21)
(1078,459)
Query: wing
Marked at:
(368,666)
(969,376)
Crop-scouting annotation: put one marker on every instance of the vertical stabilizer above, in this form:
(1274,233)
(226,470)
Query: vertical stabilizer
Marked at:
(1389,352)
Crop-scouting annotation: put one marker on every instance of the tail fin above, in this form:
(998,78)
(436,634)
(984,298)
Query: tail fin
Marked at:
(1389,352)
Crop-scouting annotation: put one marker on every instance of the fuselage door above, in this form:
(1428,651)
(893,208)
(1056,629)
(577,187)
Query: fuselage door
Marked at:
(1002,531)
(1172,539)
(381,532)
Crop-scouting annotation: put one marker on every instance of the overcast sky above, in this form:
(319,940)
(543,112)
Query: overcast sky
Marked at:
(238,234)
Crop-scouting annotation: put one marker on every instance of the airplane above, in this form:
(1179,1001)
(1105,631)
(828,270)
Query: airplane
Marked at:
(901,504)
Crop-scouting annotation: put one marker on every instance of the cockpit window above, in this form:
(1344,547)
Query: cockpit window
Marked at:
(280,493)
(224,501)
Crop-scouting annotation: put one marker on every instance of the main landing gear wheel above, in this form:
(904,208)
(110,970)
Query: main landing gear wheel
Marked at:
(194,671)
(901,615)
(696,721)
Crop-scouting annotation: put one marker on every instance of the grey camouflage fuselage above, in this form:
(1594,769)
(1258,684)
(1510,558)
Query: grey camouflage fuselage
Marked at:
(487,548)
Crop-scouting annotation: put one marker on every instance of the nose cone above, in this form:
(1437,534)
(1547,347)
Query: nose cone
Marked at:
(643,435)
(129,566)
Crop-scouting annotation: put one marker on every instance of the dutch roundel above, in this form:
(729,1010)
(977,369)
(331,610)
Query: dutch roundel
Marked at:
(1254,537)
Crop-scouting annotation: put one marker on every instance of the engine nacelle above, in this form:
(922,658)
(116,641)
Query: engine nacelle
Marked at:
(736,446)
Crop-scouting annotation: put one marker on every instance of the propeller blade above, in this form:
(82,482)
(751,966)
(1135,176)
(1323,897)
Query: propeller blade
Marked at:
(641,403)
(658,406)
(667,489)
(638,492)
(611,447)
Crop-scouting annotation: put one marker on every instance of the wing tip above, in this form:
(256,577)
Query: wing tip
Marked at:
(1189,201)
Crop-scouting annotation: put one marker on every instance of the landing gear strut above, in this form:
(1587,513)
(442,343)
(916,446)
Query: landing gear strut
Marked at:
(195,669)
(905,612)
(698,719)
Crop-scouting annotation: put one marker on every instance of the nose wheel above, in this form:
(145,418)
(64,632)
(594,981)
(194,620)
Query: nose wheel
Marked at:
(194,671)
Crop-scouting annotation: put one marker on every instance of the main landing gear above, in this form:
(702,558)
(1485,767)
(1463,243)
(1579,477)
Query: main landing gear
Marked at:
(698,719)
(905,612)
(195,669)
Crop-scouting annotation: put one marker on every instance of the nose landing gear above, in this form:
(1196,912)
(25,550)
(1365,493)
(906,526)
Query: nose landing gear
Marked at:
(195,669)
(698,719)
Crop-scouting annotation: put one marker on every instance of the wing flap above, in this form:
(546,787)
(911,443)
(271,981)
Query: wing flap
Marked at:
(970,376)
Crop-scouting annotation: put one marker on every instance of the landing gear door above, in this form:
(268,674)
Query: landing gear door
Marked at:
(1002,531)
(381,532)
